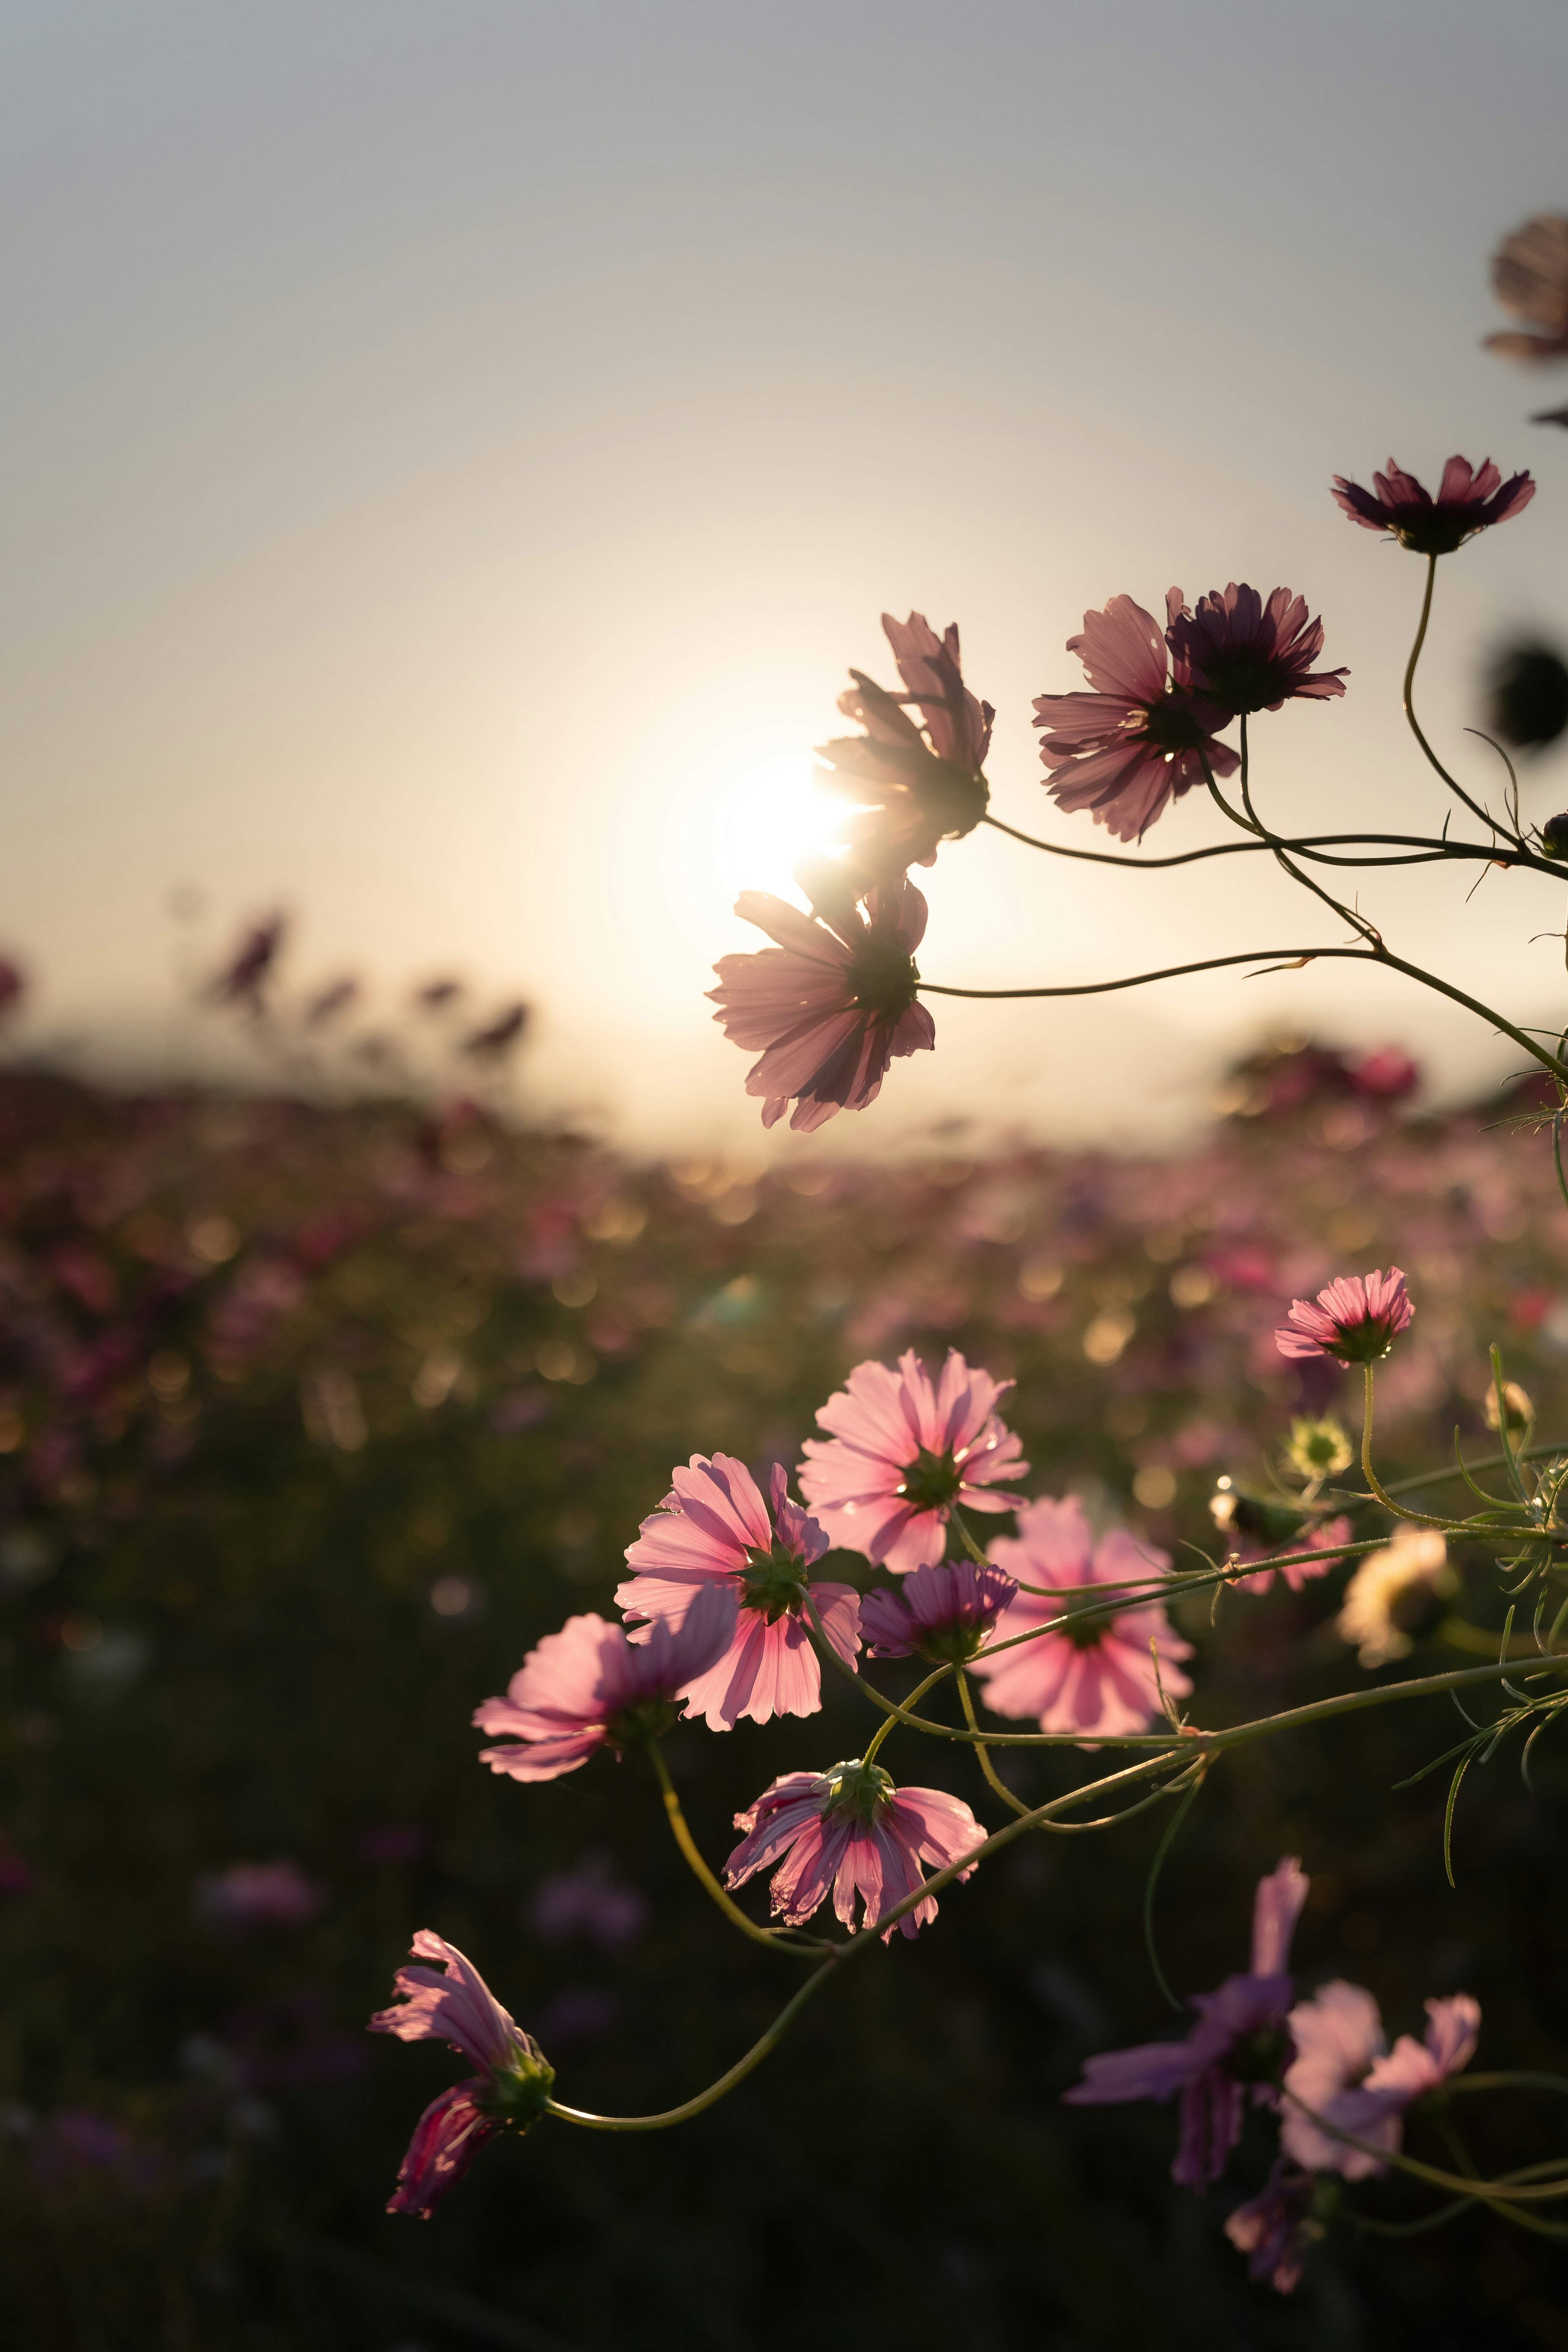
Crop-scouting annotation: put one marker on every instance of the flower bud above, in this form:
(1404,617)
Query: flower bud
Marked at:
(1554,835)
(1529,703)
(1516,1404)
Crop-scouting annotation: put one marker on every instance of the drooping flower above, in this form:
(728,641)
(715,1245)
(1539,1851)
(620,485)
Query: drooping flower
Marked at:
(1251,655)
(942,1613)
(1356,1319)
(1344,2075)
(1274,2229)
(510,2085)
(1530,277)
(902,1452)
(1239,2046)
(1389,1586)
(1469,499)
(1141,739)
(713,1531)
(1094,1674)
(914,786)
(851,1831)
(830,1006)
(588,1687)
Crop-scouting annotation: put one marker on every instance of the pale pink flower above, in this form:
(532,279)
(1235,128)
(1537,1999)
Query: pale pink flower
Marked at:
(1141,739)
(1094,1674)
(902,1452)
(510,2086)
(942,1613)
(1251,655)
(914,789)
(1469,499)
(852,1831)
(1530,277)
(1274,2229)
(830,1006)
(1344,2073)
(588,1687)
(1356,1321)
(713,1532)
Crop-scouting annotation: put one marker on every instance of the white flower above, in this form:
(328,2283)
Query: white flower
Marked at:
(1413,1565)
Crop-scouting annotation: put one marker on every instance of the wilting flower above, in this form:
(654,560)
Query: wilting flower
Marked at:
(914,789)
(1394,1582)
(1356,1319)
(942,1612)
(1530,277)
(1274,2229)
(902,1452)
(830,1006)
(713,1531)
(852,1831)
(1094,1674)
(1142,737)
(588,1687)
(1239,2045)
(1251,655)
(1469,499)
(1345,2074)
(510,2087)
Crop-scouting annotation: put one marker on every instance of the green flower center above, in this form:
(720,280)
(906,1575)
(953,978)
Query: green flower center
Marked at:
(771,1582)
(863,1787)
(517,2097)
(931,1482)
(1363,1343)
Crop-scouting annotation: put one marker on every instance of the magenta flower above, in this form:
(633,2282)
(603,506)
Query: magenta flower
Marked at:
(712,1533)
(1249,656)
(510,2086)
(1094,1674)
(1239,2045)
(1467,500)
(852,1831)
(942,1612)
(1356,1321)
(830,1006)
(1344,2073)
(913,788)
(901,1452)
(588,1687)
(1141,739)
(1273,2230)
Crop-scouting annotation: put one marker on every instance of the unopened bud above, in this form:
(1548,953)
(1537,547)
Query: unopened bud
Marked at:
(1520,1412)
(1554,835)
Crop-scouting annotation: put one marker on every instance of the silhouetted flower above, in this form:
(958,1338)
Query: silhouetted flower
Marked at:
(852,1831)
(497,1036)
(914,789)
(1469,499)
(243,978)
(1530,277)
(1251,655)
(1528,702)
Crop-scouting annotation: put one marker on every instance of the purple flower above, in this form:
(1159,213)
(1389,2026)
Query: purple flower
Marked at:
(1469,499)
(1273,2230)
(1345,2076)
(1241,2040)
(942,1611)
(1252,656)
(1356,1321)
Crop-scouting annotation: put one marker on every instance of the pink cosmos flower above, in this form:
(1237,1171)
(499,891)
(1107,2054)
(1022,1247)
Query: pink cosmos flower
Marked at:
(1273,2230)
(1256,1528)
(711,1533)
(1141,739)
(942,1613)
(1530,277)
(914,789)
(1356,1321)
(1095,1673)
(1238,2044)
(902,1452)
(830,1006)
(1345,2071)
(852,1831)
(1249,656)
(588,1687)
(1468,500)
(510,2087)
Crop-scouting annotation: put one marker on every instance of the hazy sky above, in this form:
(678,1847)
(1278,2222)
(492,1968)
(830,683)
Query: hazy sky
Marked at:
(452,453)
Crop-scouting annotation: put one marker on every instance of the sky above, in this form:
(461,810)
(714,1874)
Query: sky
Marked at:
(453,452)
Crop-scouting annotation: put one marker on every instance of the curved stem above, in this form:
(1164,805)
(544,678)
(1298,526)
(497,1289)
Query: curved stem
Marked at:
(1416,1518)
(888,1720)
(1432,851)
(773,1936)
(993,1777)
(1433,761)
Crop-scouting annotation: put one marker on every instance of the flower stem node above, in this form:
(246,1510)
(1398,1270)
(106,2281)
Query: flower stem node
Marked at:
(515,2094)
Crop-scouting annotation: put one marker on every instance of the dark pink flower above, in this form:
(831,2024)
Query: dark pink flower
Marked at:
(913,788)
(852,1831)
(1345,2074)
(1238,2045)
(830,1006)
(1274,2229)
(1356,1321)
(1095,1673)
(1141,739)
(1467,500)
(1251,655)
(588,1687)
(942,1612)
(902,1452)
(1384,1074)
(1530,277)
(510,2087)
(713,1532)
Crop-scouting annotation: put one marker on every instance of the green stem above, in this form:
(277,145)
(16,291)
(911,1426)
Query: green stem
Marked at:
(887,1722)
(773,1936)
(1417,1519)
(983,1753)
